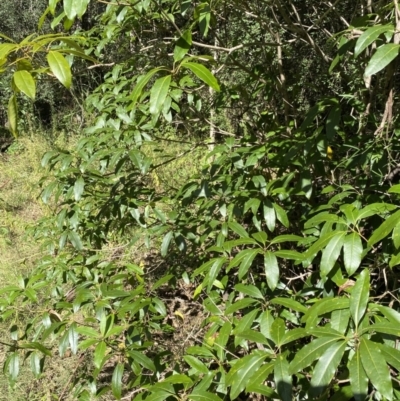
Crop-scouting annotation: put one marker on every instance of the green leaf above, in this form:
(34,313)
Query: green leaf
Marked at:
(60,68)
(165,243)
(142,359)
(386,328)
(99,354)
(385,228)
(309,353)
(195,364)
(158,94)
(269,215)
(375,208)
(331,253)
(289,303)
(70,8)
(13,365)
(281,215)
(359,297)
(241,304)
(252,335)
(243,372)
(260,376)
(375,366)
(141,83)
(352,250)
(250,290)
(340,320)
(238,229)
(271,269)
(369,36)
(382,57)
(326,366)
(73,338)
(358,378)
(293,334)
(199,395)
(319,244)
(25,83)
(278,331)
(78,188)
(75,240)
(116,381)
(203,74)
(183,45)
(13,115)
(391,355)
(282,378)
(247,260)
(81,7)
(36,366)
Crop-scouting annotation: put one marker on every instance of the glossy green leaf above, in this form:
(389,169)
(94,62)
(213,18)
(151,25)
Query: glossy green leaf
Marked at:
(203,396)
(195,364)
(352,250)
(250,290)
(247,260)
(269,215)
(243,373)
(75,240)
(79,188)
(293,335)
(359,297)
(12,115)
(36,365)
(369,36)
(382,58)
(25,83)
(116,381)
(165,243)
(183,45)
(271,269)
(238,229)
(310,352)
(203,73)
(331,253)
(99,354)
(142,359)
(254,336)
(261,375)
(158,94)
(375,208)
(326,366)
(384,229)
(396,236)
(391,355)
(340,320)
(60,68)
(13,365)
(358,378)
(70,8)
(278,331)
(281,215)
(282,378)
(375,366)
(386,328)
(289,303)
(141,83)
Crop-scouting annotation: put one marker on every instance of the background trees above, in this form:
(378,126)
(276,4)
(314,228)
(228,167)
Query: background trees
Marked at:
(251,147)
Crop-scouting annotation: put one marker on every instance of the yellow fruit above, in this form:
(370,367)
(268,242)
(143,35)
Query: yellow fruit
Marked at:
(329,152)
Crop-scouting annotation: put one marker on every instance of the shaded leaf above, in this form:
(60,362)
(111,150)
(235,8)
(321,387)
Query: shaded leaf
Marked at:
(375,366)
(326,366)
(282,378)
(358,378)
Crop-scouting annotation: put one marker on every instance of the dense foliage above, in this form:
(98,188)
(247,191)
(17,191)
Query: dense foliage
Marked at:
(280,252)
